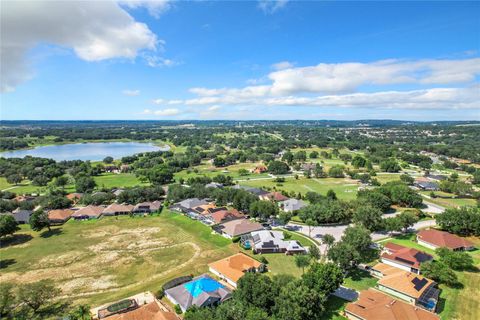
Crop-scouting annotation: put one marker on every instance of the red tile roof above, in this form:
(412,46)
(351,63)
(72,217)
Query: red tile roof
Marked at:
(224,215)
(277,196)
(443,239)
(60,214)
(404,255)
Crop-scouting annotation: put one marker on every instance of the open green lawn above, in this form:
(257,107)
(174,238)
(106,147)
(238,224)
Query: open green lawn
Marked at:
(455,303)
(121,180)
(344,188)
(360,280)
(453,202)
(387,177)
(98,261)
(208,170)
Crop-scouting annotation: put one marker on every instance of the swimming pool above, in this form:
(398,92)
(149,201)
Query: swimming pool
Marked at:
(197,287)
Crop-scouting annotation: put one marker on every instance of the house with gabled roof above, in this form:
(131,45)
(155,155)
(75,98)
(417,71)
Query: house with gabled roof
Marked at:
(116,209)
(88,212)
(147,207)
(202,291)
(404,258)
(22,216)
(291,205)
(374,305)
(224,215)
(269,241)
(274,196)
(236,228)
(232,268)
(60,216)
(434,239)
(411,287)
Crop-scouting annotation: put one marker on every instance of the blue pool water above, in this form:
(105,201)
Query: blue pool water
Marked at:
(195,288)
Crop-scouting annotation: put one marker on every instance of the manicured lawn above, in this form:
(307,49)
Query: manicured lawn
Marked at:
(99,261)
(304,241)
(208,170)
(387,177)
(453,203)
(344,188)
(455,303)
(121,180)
(334,308)
(360,280)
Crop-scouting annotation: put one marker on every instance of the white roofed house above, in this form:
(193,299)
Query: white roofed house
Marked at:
(291,205)
(268,241)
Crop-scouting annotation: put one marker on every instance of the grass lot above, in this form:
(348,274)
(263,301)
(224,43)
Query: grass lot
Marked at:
(98,261)
(453,203)
(208,170)
(360,280)
(344,188)
(121,180)
(455,303)
(387,177)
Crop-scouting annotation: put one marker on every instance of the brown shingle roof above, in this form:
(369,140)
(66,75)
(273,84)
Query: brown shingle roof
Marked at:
(149,311)
(404,255)
(60,214)
(373,305)
(443,239)
(241,226)
(276,196)
(223,215)
(235,266)
(115,207)
(90,211)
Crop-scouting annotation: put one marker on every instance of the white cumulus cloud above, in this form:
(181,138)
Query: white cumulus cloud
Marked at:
(163,112)
(131,93)
(271,6)
(94,30)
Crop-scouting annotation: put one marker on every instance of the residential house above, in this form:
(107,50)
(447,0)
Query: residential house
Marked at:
(111,168)
(426,184)
(24,198)
(291,205)
(187,205)
(116,209)
(74,197)
(88,212)
(205,208)
(260,169)
(214,185)
(434,239)
(374,305)
(408,286)
(118,192)
(59,216)
(202,291)
(308,166)
(268,241)
(274,196)
(234,267)
(124,168)
(256,191)
(404,258)
(142,306)
(437,177)
(22,216)
(225,215)
(236,228)
(147,207)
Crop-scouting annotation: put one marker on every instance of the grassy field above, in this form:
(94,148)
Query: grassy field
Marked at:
(121,180)
(344,188)
(99,261)
(359,280)
(208,170)
(455,303)
(449,202)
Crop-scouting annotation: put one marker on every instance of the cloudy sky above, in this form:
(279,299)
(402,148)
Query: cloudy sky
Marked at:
(240,60)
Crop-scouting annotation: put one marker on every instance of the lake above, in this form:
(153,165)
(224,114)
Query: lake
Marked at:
(86,151)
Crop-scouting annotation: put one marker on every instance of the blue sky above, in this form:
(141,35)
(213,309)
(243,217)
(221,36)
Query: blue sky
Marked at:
(240,60)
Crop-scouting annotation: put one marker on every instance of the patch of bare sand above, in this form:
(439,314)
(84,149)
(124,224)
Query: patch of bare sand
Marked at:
(60,260)
(89,284)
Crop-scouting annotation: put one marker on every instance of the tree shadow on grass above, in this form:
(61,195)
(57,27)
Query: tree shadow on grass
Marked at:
(14,240)
(334,307)
(440,305)
(7,262)
(53,310)
(50,233)
(358,275)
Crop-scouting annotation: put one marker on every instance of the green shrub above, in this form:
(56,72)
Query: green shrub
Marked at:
(235,239)
(178,310)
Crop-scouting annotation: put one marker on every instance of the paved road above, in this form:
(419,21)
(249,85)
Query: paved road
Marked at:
(338,230)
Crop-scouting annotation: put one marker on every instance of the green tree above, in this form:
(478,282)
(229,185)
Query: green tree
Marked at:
(328,240)
(108,160)
(336,172)
(313,155)
(390,165)
(7,300)
(302,261)
(85,184)
(464,221)
(457,260)
(39,221)
(440,272)
(407,219)
(314,252)
(14,179)
(37,294)
(8,225)
(296,301)
(61,181)
(370,217)
(263,209)
(323,278)
(278,167)
(359,161)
